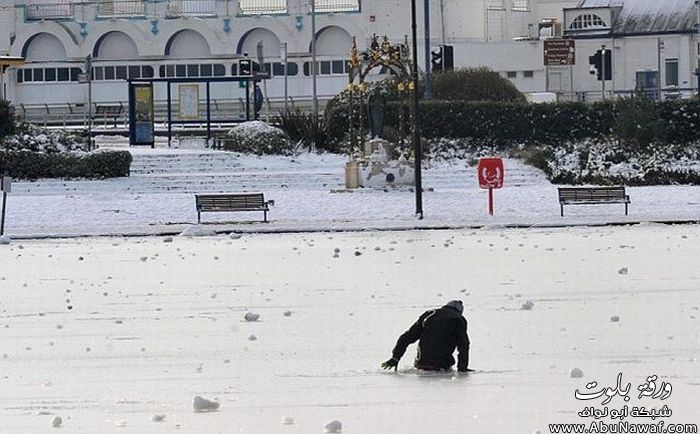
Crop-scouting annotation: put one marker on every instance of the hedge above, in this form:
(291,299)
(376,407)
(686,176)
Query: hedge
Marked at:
(635,122)
(33,165)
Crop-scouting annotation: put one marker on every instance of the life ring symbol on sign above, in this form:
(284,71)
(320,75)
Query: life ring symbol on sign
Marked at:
(491,172)
(492,178)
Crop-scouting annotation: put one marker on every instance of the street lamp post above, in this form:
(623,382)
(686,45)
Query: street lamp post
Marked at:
(314,94)
(426,50)
(417,152)
(286,73)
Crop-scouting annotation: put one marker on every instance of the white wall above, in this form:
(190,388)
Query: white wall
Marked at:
(633,54)
(6,20)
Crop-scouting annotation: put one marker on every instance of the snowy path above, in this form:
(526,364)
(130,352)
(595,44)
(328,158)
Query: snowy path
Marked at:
(159,198)
(106,332)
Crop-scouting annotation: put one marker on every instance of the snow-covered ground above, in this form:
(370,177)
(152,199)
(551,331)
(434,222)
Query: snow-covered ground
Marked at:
(106,332)
(308,191)
(111,333)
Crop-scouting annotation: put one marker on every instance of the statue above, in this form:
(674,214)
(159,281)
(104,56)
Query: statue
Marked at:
(376,108)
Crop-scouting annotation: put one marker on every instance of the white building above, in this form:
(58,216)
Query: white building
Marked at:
(654,43)
(197,38)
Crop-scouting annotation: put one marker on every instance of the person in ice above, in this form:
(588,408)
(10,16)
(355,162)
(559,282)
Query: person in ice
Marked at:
(439,332)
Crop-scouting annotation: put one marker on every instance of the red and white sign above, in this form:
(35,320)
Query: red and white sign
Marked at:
(491,172)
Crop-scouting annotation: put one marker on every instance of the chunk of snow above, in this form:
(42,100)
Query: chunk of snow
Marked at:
(528,305)
(56,422)
(5,240)
(287,420)
(168,239)
(575,373)
(287,313)
(157,417)
(615,318)
(202,404)
(251,317)
(235,236)
(198,231)
(252,338)
(623,270)
(334,426)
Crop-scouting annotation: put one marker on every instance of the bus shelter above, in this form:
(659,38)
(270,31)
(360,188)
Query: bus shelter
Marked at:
(142,104)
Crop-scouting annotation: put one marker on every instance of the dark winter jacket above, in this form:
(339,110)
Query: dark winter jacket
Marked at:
(440,331)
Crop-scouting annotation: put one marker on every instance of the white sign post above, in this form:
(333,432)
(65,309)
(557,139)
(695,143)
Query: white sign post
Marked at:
(5,187)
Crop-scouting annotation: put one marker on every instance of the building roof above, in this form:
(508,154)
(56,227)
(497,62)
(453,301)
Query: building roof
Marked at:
(650,16)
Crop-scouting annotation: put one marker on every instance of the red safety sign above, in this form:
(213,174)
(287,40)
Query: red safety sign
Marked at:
(491,173)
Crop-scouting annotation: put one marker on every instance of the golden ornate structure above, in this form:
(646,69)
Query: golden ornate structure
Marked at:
(381,54)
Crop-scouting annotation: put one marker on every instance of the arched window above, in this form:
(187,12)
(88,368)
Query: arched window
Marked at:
(587,21)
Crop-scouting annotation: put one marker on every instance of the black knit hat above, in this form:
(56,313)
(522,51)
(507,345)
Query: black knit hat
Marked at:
(456,304)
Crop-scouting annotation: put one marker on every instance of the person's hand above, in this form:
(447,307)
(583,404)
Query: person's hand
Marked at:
(391,363)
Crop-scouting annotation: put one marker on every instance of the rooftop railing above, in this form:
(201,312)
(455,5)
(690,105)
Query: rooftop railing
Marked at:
(50,11)
(329,6)
(262,7)
(192,8)
(121,8)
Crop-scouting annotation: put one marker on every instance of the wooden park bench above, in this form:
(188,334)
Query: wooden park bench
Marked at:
(592,196)
(230,202)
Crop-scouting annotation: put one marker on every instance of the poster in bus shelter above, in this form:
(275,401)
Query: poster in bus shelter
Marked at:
(189,101)
(141,114)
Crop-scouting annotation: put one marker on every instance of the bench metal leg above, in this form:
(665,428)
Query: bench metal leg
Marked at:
(626,209)
(265,216)
(199,217)
(562,209)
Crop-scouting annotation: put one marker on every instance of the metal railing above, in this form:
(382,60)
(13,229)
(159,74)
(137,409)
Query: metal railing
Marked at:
(121,8)
(193,8)
(521,5)
(50,11)
(496,5)
(223,112)
(329,6)
(262,7)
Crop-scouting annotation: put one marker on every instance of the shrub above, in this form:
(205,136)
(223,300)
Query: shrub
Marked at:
(306,129)
(35,165)
(612,162)
(474,84)
(8,122)
(258,138)
(637,123)
(32,138)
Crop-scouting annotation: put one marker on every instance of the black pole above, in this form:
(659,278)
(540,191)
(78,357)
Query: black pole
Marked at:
(426,51)
(247,100)
(170,118)
(2,216)
(208,116)
(416,132)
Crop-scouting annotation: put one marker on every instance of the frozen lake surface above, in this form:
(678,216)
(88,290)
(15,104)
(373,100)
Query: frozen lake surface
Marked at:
(106,332)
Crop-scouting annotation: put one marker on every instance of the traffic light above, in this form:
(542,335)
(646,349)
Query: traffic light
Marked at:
(442,59)
(601,62)
(245,67)
(436,59)
(448,58)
